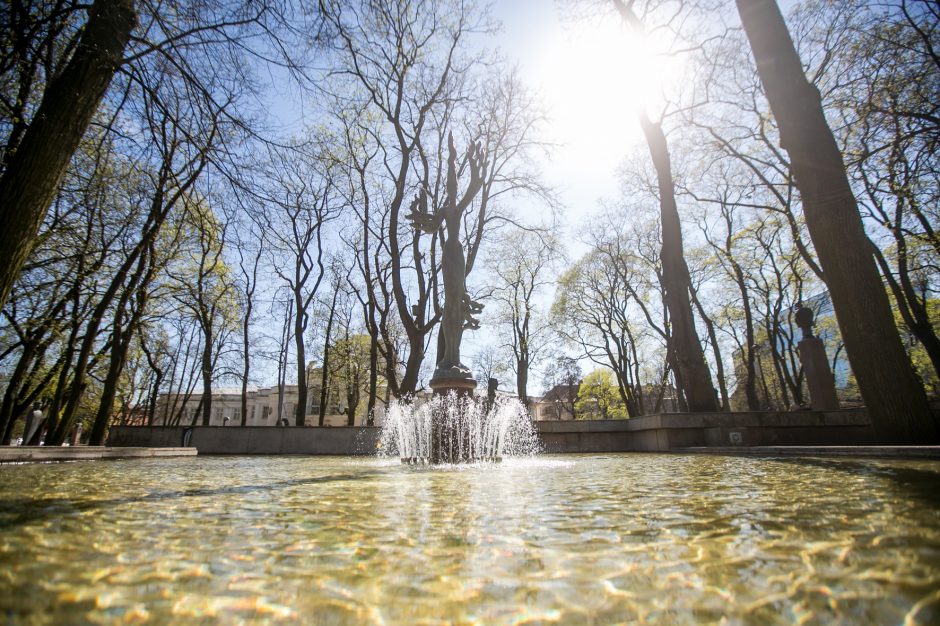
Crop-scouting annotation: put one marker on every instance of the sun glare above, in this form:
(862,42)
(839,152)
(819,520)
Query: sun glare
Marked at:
(596,78)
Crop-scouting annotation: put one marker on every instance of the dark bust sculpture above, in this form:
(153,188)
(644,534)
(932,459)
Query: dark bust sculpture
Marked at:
(459,308)
(804,319)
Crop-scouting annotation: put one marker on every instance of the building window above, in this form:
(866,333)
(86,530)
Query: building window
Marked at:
(265,412)
(253,407)
(236,414)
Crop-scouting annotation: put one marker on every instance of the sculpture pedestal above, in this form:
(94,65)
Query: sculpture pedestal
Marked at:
(822,386)
(460,386)
(450,441)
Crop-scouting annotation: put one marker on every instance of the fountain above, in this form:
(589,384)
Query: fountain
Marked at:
(455,422)
(458,429)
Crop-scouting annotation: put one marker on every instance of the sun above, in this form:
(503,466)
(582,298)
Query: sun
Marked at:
(591,77)
(596,77)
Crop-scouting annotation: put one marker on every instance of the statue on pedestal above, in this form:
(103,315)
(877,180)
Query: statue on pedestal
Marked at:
(459,308)
(819,379)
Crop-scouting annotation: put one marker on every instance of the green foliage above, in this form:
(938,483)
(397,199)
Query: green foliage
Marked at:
(203,280)
(598,397)
(919,357)
(349,372)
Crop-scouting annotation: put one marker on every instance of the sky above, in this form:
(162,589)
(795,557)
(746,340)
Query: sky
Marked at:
(591,78)
(584,72)
(576,69)
(591,94)
(571,68)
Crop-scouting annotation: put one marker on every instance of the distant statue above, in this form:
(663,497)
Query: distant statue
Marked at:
(459,308)
(819,379)
(491,386)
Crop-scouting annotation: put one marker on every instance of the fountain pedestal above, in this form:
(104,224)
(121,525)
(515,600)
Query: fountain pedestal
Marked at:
(450,432)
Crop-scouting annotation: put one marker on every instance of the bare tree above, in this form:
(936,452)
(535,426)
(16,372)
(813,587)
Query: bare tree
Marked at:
(689,357)
(894,395)
(563,374)
(35,164)
(888,109)
(404,81)
(597,308)
(523,265)
(336,287)
(249,285)
(302,190)
(207,289)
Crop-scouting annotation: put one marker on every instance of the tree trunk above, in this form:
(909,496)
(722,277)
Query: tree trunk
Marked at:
(73,398)
(121,341)
(246,367)
(158,374)
(409,380)
(522,381)
(58,395)
(70,101)
(206,366)
(324,373)
(13,388)
(913,310)
(300,326)
(246,357)
(750,350)
(352,395)
(691,369)
(892,391)
(251,284)
(373,380)
(716,350)
(154,396)
(282,360)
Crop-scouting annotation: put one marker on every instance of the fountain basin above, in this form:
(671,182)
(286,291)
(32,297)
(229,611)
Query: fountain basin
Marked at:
(678,539)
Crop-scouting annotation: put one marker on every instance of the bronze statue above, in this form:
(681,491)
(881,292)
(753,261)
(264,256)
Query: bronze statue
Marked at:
(459,308)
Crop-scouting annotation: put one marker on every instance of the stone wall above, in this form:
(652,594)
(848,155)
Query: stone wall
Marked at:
(650,433)
(672,431)
(252,439)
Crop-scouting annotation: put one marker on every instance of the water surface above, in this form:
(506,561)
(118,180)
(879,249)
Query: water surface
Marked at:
(553,539)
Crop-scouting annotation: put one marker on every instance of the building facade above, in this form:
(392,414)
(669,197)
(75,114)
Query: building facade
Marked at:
(266,406)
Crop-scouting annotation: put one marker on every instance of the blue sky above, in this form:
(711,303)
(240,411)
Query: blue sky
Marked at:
(591,80)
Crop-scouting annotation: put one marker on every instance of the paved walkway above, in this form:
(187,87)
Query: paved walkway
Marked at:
(23,454)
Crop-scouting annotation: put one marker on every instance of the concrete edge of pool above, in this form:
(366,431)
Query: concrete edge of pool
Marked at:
(826,433)
(38,454)
(884,452)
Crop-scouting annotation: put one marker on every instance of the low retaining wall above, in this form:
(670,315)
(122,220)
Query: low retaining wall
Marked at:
(880,452)
(340,440)
(35,454)
(650,433)
(674,431)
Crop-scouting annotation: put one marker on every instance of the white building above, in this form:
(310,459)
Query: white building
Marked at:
(265,406)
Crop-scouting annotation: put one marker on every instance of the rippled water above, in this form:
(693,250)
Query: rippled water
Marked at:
(568,539)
